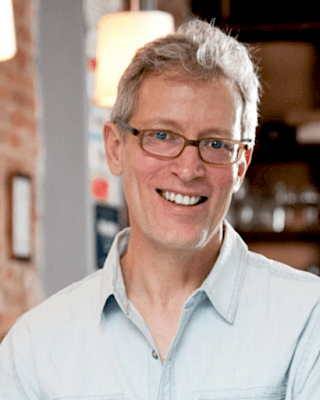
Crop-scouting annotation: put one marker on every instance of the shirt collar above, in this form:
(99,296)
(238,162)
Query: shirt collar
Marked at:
(112,280)
(222,286)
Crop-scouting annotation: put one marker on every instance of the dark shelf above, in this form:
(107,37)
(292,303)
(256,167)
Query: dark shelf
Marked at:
(302,31)
(302,236)
(272,20)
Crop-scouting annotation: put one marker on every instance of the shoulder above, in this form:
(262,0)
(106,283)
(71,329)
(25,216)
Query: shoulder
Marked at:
(50,334)
(279,270)
(60,310)
(266,272)
(282,281)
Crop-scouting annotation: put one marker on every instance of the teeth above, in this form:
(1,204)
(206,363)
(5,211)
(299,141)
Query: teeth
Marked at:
(180,199)
(194,200)
(186,200)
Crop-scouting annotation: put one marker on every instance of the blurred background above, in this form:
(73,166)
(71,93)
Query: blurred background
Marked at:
(60,207)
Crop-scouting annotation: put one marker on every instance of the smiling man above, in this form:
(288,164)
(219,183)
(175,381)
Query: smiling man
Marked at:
(181,310)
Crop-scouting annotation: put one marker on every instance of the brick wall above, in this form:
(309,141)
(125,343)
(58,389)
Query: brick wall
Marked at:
(20,151)
(20,287)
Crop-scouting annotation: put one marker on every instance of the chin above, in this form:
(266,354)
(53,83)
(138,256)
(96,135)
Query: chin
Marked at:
(178,240)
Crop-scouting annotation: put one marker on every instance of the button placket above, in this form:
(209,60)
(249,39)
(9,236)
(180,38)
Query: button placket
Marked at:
(155,369)
(155,355)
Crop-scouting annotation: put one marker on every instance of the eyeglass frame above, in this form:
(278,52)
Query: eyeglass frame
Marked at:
(244,144)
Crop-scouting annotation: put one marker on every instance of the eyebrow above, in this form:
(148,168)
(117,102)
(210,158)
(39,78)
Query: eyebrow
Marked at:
(223,133)
(167,122)
(176,126)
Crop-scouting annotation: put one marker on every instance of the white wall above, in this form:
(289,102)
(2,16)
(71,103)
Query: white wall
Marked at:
(67,225)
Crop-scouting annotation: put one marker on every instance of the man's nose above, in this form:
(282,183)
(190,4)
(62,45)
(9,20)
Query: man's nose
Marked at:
(188,165)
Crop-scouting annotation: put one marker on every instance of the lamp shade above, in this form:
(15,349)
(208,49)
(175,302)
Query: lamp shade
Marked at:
(120,35)
(8,46)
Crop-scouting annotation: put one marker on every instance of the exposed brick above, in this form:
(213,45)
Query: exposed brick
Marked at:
(5,93)
(7,320)
(22,80)
(20,59)
(18,119)
(20,286)
(20,10)
(4,135)
(24,35)
(14,140)
(22,100)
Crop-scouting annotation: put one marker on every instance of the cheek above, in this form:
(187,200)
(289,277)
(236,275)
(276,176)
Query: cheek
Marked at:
(226,180)
(131,185)
(239,173)
(136,176)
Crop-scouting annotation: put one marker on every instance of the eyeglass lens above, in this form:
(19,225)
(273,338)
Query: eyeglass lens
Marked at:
(167,144)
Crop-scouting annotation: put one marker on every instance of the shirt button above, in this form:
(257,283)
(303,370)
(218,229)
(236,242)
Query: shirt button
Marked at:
(154,354)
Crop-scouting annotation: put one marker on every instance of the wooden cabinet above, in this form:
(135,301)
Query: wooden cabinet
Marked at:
(277,211)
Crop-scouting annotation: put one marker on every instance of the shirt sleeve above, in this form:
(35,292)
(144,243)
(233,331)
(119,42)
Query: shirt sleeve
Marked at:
(18,379)
(304,377)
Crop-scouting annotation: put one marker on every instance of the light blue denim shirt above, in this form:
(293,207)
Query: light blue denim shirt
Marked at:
(251,331)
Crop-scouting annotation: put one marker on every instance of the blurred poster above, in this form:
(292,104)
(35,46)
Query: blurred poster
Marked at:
(105,189)
(106,227)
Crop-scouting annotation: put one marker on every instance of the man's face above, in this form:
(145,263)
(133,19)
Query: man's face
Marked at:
(194,109)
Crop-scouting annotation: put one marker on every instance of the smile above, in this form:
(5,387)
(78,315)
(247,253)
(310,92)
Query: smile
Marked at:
(181,199)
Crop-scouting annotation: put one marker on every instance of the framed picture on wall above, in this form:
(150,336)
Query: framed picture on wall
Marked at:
(20,216)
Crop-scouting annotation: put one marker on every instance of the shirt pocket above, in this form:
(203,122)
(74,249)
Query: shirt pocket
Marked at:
(260,393)
(115,396)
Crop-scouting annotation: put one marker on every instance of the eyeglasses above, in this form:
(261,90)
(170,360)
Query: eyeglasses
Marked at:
(165,144)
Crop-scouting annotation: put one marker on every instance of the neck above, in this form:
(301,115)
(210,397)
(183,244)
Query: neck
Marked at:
(159,280)
(163,276)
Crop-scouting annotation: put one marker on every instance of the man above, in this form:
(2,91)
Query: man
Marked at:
(181,310)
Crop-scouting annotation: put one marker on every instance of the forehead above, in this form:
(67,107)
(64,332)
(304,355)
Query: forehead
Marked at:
(193,103)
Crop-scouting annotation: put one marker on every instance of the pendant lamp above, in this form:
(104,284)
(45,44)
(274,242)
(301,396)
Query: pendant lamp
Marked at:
(119,36)
(8,46)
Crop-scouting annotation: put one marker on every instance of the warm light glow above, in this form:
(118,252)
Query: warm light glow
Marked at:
(8,45)
(120,35)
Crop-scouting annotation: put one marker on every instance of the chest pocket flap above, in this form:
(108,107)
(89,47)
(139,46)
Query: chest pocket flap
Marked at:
(260,393)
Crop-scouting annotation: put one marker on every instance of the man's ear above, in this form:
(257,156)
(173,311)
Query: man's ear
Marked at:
(113,147)
(243,165)
(248,156)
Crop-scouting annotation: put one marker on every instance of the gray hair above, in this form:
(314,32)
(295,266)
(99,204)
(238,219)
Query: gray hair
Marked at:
(204,52)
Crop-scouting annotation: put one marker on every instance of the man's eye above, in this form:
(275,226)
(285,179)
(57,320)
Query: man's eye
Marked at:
(162,136)
(214,144)
(217,144)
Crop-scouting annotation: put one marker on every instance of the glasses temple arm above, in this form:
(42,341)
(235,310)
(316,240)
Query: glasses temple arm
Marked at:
(126,126)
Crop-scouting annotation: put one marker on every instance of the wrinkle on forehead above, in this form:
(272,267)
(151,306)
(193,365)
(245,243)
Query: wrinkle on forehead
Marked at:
(173,75)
